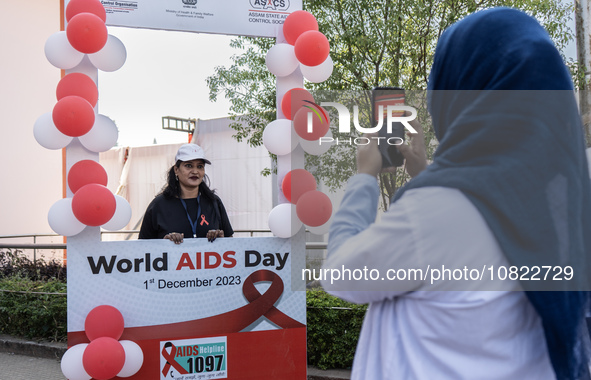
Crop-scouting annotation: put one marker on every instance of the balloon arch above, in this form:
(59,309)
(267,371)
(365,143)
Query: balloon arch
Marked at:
(85,47)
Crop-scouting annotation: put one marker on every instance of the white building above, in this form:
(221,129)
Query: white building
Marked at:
(31,176)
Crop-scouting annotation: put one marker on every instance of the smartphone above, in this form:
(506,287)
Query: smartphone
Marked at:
(388,96)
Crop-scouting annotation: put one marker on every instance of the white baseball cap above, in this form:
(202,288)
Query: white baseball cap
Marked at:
(189,152)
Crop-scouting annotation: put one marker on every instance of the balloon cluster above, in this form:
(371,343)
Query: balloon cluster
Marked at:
(105,356)
(85,35)
(307,49)
(74,116)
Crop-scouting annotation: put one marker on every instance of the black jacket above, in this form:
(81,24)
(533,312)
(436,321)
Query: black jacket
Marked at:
(165,215)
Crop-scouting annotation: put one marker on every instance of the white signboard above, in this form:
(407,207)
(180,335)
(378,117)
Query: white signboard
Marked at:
(196,308)
(258,18)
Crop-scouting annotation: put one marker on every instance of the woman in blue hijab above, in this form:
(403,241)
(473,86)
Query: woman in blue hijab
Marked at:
(522,165)
(511,142)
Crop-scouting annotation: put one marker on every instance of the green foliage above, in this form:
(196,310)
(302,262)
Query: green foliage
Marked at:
(247,76)
(16,263)
(387,43)
(26,310)
(30,314)
(333,330)
(391,43)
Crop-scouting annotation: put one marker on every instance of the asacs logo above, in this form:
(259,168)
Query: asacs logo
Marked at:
(190,2)
(274,5)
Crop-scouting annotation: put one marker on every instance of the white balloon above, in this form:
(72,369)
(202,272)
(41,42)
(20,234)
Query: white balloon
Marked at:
(320,73)
(121,217)
(103,135)
(279,137)
(71,364)
(47,134)
(111,57)
(283,220)
(62,220)
(317,147)
(320,230)
(60,53)
(134,358)
(281,60)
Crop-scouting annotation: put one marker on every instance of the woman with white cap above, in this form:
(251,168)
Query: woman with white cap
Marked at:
(186,207)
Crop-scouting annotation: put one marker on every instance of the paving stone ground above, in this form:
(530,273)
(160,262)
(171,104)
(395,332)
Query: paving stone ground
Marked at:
(21,367)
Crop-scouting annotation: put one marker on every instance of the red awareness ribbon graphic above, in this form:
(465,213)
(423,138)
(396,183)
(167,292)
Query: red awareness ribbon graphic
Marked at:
(230,322)
(170,360)
(203,220)
(252,294)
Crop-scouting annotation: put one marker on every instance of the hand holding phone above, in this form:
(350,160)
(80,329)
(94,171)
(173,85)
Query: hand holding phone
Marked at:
(384,97)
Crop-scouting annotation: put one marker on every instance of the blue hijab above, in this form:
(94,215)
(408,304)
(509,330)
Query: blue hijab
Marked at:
(511,140)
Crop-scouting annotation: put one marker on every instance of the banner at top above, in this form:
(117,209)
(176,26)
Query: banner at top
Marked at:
(257,18)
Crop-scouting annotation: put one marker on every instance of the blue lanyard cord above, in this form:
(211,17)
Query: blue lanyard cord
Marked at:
(193,224)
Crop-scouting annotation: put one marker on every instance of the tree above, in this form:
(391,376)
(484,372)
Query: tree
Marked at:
(387,43)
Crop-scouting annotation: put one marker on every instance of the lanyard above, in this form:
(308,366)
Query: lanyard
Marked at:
(193,224)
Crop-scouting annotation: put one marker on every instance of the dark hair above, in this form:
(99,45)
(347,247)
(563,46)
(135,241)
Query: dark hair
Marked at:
(172,188)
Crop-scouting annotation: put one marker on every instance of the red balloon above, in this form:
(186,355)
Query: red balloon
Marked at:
(104,321)
(314,208)
(103,358)
(297,23)
(73,116)
(90,6)
(293,100)
(93,204)
(77,84)
(87,33)
(319,126)
(296,183)
(84,172)
(312,48)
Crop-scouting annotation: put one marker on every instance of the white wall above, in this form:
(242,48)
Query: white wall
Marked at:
(137,177)
(30,175)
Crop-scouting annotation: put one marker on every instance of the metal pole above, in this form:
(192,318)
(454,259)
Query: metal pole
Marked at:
(583,28)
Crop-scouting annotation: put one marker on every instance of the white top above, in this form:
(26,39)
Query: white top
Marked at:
(427,328)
